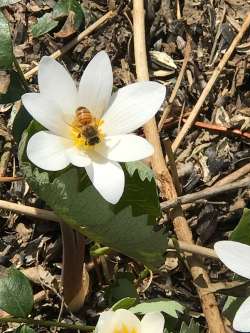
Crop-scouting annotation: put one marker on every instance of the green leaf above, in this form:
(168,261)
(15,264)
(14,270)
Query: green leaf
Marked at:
(4,3)
(21,122)
(63,9)
(193,327)
(6,50)
(124,303)
(25,329)
(44,24)
(16,296)
(122,287)
(231,306)
(126,227)
(15,90)
(159,304)
(143,170)
(242,231)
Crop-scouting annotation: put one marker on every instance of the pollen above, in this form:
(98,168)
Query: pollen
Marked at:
(125,329)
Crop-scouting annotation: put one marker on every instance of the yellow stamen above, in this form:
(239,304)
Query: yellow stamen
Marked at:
(124,329)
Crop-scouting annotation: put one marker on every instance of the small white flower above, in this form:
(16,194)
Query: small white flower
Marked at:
(113,119)
(124,321)
(236,256)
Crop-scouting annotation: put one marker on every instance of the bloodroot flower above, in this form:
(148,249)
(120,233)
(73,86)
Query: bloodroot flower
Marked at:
(88,127)
(124,321)
(236,257)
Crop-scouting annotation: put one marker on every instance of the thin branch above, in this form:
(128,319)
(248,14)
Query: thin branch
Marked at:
(234,175)
(177,83)
(210,84)
(46,323)
(206,193)
(219,128)
(182,229)
(192,248)
(38,213)
(10,179)
(75,41)
(172,166)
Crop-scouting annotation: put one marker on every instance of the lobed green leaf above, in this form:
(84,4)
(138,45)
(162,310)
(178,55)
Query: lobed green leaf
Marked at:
(167,306)
(126,227)
(242,231)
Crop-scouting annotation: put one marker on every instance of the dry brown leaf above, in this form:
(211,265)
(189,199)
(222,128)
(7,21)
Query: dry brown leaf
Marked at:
(38,275)
(4,82)
(68,27)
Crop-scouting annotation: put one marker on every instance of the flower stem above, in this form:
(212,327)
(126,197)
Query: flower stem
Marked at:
(74,284)
(46,323)
(21,75)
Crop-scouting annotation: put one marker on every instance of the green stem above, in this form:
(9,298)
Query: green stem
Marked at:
(21,75)
(46,323)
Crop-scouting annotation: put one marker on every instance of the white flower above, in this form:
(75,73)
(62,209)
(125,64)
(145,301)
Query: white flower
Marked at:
(236,256)
(124,321)
(113,119)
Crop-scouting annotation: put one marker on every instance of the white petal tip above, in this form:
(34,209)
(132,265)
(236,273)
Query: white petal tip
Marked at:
(46,59)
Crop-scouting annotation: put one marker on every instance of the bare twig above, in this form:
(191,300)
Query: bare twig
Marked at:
(172,165)
(75,41)
(182,229)
(234,175)
(177,84)
(38,213)
(10,179)
(219,128)
(207,193)
(209,85)
(192,248)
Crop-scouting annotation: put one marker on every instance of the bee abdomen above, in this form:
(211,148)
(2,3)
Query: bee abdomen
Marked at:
(83,116)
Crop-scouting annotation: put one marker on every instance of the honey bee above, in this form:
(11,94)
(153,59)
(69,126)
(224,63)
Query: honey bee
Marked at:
(89,129)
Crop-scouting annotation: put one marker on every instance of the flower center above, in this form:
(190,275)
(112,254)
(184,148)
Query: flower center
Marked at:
(125,329)
(86,129)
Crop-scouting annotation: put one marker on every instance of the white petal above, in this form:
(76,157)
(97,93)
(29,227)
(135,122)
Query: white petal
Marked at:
(126,319)
(152,322)
(96,84)
(107,177)
(235,256)
(242,318)
(105,322)
(56,83)
(133,106)
(48,151)
(125,148)
(46,112)
(78,157)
